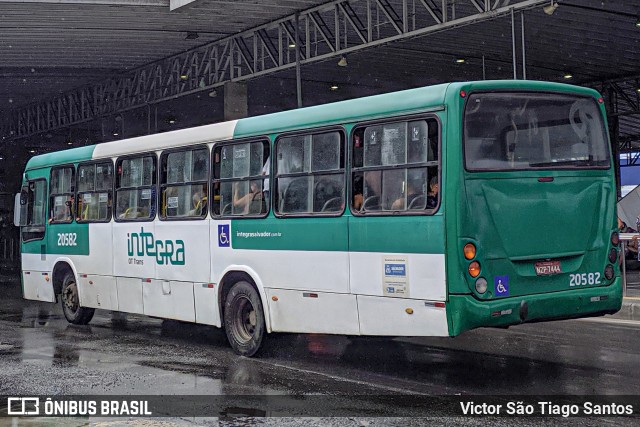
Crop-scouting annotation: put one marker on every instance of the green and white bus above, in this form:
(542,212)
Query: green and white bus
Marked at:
(426,212)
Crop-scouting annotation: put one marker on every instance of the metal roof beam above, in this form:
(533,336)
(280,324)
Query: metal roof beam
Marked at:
(235,58)
(163,3)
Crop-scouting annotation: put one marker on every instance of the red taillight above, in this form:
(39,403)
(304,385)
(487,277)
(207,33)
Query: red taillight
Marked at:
(463,94)
(615,239)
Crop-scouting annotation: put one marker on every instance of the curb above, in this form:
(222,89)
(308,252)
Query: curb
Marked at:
(630,309)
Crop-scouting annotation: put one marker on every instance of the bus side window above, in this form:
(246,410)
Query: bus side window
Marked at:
(183,184)
(136,188)
(61,195)
(238,182)
(94,196)
(393,167)
(310,174)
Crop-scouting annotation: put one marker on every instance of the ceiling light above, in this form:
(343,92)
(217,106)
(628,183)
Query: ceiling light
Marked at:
(1,158)
(32,151)
(292,45)
(343,61)
(638,22)
(191,35)
(333,87)
(184,76)
(69,143)
(213,93)
(460,60)
(550,8)
(115,134)
(568,75)
(172,121)
(638,90)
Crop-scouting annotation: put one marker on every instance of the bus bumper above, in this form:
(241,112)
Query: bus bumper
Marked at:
(465,312)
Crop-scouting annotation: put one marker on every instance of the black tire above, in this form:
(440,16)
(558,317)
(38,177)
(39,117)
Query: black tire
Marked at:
(71,302)
(244,319)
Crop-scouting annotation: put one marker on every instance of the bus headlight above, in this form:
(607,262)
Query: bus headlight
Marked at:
(613,255)
(608,272)
(481,285)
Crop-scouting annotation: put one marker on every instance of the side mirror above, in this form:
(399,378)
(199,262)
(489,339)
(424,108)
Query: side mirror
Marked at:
(19,201)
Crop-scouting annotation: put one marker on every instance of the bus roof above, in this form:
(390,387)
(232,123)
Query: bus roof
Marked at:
(394,103)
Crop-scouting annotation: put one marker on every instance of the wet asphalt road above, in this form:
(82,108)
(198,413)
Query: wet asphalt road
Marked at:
(41,354)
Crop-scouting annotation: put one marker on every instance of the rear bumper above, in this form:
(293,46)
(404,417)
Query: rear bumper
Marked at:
(464,312)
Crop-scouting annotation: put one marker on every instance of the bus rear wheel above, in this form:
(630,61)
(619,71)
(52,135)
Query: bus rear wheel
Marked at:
(244,319)
(71,302)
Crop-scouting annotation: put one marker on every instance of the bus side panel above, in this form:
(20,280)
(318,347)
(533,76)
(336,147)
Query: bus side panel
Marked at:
(130,295)
(321,313)
(206,298)
(169,299)
(36,286)
(399,256)
(421,276)
(399,316)
(100,259)
(292,253)
(98,291)
(187,252)
(132,245)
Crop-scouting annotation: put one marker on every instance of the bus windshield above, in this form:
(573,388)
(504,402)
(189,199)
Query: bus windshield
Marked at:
(520,131)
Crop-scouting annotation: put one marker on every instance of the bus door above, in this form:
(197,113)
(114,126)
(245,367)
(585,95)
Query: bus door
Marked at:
(33,214)
(134,242)
(181,237)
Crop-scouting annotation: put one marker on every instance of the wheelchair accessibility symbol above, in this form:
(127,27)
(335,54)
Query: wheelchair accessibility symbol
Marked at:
(501,286)
(223,236)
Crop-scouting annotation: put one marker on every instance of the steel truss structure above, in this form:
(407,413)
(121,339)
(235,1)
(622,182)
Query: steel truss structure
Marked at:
(623,111)
(329,30)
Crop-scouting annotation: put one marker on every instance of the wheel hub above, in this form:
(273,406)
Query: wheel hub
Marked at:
(70,297)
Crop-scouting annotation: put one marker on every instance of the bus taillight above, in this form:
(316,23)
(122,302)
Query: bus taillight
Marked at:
(608,272)
(469,251)
(481,285)
(474,269)
(615,239)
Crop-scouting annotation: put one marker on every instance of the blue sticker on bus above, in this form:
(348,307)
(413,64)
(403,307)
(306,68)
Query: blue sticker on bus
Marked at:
(501,286)
(224,239)
(395,270)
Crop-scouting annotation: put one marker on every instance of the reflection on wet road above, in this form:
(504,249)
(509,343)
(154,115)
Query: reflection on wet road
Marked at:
(41,354)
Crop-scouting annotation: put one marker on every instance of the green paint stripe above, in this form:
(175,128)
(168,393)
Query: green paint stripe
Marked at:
(403,234)
(60,157)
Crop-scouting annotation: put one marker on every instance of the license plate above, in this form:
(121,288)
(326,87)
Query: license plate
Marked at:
(546,268)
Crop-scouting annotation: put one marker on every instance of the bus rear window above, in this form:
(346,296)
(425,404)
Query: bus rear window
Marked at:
(519,131)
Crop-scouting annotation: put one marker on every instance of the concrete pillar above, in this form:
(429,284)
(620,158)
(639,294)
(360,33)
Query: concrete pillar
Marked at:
(235,101)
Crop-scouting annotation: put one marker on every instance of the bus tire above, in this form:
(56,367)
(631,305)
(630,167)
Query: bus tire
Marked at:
(71,302)
(244,319)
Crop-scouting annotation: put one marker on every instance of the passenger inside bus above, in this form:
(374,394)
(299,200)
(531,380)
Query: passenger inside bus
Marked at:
(199,202)
(243,203)
(415,198)
(62,212)
(432,194)
(366,191)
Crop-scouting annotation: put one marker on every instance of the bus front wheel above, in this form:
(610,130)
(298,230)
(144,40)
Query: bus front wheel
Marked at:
(244,319)
(71,302)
